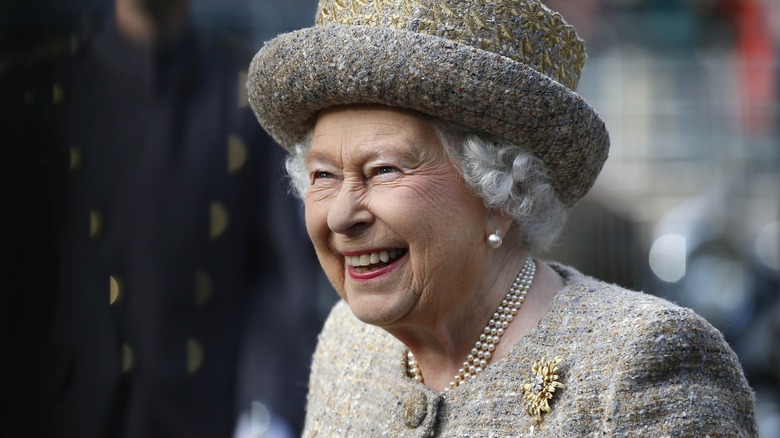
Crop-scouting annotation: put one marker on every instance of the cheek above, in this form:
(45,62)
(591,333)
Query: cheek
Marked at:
(434,190)
(310,216)
(316,215)
(447,219)
(444,202)
(430,189)
(317,226)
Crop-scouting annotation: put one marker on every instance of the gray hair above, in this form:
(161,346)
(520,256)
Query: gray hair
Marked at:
(505,176)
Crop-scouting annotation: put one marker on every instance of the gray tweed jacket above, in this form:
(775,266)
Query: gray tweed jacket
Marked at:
(632,365)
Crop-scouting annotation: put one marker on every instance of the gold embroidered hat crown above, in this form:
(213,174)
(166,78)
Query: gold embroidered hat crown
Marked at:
(508,69)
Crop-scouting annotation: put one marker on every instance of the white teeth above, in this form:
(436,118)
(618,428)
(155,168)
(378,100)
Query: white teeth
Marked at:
(372,258)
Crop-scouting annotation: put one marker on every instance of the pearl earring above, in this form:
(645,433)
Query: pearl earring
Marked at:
(494,240)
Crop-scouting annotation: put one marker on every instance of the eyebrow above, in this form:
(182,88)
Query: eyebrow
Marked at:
(383,148)
(313,155)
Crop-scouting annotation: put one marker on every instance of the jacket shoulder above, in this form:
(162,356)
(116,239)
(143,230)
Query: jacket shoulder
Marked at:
(673,372)
(655,368)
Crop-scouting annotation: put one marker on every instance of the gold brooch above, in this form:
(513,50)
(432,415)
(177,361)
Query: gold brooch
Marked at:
(539,392)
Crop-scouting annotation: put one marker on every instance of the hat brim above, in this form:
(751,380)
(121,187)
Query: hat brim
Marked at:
(297,74)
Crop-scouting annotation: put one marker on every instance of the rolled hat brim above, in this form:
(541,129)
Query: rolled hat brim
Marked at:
(297,74)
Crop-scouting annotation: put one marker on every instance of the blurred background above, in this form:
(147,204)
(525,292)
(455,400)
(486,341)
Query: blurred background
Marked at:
(688,203)
(192,311)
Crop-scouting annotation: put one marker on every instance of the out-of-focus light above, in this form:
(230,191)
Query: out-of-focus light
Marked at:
(768,245)
(260,419)
(667,257)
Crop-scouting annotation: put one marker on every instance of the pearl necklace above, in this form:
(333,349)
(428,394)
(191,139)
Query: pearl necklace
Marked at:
(488,340)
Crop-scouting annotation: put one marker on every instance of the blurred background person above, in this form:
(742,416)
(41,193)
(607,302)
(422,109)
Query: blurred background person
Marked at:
(169,243)
(184,292)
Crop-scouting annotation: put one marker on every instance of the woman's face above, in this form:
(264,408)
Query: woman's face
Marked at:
(397,232)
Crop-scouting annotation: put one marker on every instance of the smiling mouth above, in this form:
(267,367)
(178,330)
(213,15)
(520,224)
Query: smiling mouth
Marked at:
(373,261)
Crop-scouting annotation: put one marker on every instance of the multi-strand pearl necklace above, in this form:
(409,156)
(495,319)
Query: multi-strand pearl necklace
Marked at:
(488,340)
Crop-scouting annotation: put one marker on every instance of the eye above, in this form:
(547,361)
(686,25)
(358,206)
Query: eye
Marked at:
(383,172)
(385,169)
(321,174)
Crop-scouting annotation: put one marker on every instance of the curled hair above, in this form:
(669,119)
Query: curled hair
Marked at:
(505,176)
(295,164)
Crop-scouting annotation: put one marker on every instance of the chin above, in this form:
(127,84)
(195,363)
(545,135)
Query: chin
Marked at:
(381,310)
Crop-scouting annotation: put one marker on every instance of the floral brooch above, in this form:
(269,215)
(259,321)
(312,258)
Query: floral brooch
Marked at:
(539,392)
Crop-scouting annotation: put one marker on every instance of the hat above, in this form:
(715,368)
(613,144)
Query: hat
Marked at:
(507,69)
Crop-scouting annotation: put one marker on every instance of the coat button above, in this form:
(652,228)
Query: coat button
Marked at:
(57,94)
(114,290)
(237,153)
(415,409)
(95,223)
(204,286)
(75,158)
(218,220)
(243,93)
(128,358)
(194,356)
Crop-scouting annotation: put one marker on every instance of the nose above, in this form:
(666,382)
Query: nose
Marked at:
(348,212)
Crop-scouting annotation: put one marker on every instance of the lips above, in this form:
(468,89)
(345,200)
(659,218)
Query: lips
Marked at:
(368,263)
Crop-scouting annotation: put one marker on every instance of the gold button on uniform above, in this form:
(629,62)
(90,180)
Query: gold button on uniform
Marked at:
(194,356)
(218,219)
(243,94)
(415,409)
(114,291)
(204,286)
(128,359)
(236,153)
(95,223)
(57,94)
(75,158)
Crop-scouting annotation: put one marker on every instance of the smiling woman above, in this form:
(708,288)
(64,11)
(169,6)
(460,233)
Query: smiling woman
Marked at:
(437,145)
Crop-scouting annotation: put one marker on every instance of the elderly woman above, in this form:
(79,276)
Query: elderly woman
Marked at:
(437,145)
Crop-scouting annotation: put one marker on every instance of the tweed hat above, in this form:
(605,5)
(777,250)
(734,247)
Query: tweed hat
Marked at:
(508,69)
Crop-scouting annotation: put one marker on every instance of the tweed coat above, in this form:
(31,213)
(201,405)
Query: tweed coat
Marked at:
(632,365)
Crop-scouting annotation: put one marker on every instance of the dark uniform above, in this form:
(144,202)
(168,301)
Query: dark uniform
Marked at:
(177,227)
